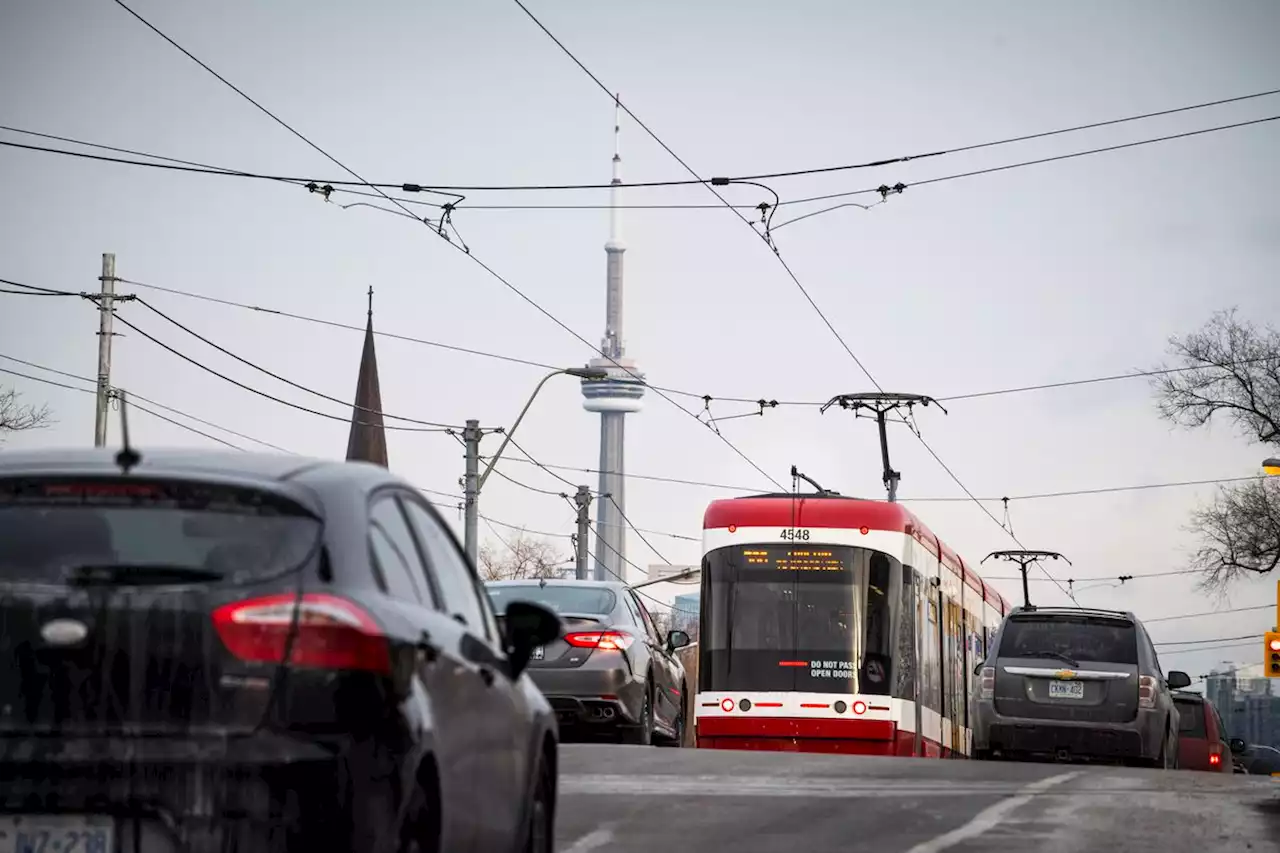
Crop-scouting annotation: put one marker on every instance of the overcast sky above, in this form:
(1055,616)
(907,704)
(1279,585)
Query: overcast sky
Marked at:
(1042,274)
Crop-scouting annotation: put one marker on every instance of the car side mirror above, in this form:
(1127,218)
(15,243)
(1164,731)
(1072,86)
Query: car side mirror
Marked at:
(528,626)
(1178,679)
(677,640)
(1237,746)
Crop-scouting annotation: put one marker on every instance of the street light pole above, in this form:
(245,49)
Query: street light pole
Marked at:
(474,484)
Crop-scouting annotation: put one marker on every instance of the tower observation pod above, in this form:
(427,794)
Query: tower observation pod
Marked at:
(613,397)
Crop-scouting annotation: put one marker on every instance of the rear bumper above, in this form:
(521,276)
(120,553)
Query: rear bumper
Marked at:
(1137,739)
(173,793)
(587,696)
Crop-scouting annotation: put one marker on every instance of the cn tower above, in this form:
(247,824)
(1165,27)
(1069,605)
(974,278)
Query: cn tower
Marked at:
(613,397)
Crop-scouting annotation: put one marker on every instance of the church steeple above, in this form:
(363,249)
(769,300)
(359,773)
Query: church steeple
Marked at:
(368,440)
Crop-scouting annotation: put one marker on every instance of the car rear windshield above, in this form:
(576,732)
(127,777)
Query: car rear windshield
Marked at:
(561,599)
(49,528)
(1191,718)
(1080,638)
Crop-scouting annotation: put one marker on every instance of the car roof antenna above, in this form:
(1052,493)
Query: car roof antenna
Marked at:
(126,456)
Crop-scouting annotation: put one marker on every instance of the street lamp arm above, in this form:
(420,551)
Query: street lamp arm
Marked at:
(506,439)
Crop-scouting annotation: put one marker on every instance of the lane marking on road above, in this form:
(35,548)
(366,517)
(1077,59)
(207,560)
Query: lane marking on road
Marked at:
(990,817)
(670,785)
(592,840)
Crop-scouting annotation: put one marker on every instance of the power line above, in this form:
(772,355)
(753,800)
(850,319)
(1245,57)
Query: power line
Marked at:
(785,266)
(440,232)
(199,167)
(680,392)
(265,395)
(1042,495)
(1211,640)
(770,403)
(280,378)
(1207,613)
(1037,162)
(134,397)
(133,404)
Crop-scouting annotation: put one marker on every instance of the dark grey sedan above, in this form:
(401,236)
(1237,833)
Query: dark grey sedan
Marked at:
(611,672)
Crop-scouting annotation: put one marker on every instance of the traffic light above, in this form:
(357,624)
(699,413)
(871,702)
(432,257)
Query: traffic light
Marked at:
(1271,654)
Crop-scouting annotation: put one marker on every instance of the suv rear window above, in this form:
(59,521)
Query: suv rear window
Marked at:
(1080,638)
(51,527)
(1191,718)
(595,601)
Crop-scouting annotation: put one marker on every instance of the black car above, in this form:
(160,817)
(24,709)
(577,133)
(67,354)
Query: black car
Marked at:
(217,651)
(612,672)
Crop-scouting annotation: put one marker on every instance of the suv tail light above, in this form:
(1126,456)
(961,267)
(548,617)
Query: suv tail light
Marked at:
(1147,691)
(987,686)
(609,641)
(1215,755)
(332,633)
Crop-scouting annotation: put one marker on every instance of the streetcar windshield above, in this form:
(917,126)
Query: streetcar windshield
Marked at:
(809,618)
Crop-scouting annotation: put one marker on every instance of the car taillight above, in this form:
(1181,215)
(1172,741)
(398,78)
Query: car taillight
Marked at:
(610,641)
(1215,756)
(332,633)
(1147,691)
(987,686)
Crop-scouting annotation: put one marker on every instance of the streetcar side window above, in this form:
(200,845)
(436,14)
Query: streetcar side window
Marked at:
(906,654)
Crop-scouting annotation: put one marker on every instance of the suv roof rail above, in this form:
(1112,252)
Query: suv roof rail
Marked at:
(1071,609)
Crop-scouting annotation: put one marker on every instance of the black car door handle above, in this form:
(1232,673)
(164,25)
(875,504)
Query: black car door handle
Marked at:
(430,651)
(486,675)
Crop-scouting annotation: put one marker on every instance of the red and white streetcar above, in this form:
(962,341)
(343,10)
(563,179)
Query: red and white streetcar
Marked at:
(832,624)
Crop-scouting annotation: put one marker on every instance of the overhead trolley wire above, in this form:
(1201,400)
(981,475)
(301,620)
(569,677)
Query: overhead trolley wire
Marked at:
(786,267)
(449,241)
(178,164)
(1037,162)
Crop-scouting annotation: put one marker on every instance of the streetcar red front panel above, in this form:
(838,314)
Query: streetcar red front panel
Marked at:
(823,620)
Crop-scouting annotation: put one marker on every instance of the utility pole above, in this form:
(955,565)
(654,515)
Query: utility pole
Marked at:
(106,296)
(582,500)
(1024,559)
(880,404)
(471,490)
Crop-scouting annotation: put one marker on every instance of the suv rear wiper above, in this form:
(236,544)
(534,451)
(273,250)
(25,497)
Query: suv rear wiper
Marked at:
(126,574)
(1047,654)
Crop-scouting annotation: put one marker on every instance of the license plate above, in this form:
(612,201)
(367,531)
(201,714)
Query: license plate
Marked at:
(1066,690)
(538,652)
(57,834)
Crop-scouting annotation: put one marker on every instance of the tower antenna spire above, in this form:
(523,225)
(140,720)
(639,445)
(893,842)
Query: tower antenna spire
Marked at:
(616,395)
(371,302)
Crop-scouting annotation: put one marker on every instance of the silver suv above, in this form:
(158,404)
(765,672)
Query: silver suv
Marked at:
(1074,683)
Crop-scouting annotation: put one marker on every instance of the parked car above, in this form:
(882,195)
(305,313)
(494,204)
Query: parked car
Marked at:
(611,672)
(235,651)
(1075,683)
(1255,759)
(1202,739)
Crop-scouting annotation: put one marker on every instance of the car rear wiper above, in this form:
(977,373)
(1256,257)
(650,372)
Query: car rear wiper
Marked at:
(137,574)
(1058,655)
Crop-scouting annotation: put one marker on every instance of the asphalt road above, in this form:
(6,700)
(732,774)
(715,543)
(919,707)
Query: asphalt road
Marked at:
(619,799)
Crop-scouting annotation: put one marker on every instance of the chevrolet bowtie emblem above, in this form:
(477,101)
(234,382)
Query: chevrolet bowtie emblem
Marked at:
(1065,673)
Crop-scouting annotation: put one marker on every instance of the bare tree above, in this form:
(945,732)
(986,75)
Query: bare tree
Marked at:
(519,558)
(16,416)
(1230,369)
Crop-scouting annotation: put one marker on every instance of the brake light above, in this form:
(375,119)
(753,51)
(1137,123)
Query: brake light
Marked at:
(1215,756)
(987,685)
(1147,691)
(332,632)
(609,641)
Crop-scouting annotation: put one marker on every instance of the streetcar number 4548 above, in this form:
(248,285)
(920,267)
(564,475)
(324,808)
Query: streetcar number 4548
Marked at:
(791,534)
